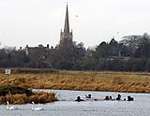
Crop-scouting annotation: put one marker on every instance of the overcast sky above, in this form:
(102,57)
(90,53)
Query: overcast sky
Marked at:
(36,22)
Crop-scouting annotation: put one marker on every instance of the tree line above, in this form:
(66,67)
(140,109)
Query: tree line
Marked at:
(132,53)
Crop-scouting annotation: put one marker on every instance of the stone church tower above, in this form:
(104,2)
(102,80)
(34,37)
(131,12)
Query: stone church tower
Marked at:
(66,35)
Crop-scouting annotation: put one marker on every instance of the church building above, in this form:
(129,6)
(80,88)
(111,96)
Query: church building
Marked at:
(42,56)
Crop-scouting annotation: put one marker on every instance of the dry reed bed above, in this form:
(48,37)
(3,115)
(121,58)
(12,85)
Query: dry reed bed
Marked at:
(78,80)
(24,99)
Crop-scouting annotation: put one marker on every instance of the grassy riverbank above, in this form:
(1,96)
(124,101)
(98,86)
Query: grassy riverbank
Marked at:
(19,95)
(76,80)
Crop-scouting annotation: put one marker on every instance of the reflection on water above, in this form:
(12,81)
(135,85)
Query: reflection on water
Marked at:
(67,107)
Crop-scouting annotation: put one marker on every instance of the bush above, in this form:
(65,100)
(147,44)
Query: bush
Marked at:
(18,95)
(4,90)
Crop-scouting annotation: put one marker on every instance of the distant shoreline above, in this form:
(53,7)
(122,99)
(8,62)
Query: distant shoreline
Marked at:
(50,70)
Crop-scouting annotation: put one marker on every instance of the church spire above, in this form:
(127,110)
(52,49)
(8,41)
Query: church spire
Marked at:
(66,36)
(67,28)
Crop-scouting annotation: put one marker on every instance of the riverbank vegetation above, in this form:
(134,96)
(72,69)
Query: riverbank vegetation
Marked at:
(19,95)
(81,80)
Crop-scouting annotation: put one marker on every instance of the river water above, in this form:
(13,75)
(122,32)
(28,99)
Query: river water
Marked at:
(68,107)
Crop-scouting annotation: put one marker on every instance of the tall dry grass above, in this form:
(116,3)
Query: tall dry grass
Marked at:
(23,98)
(76,80)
